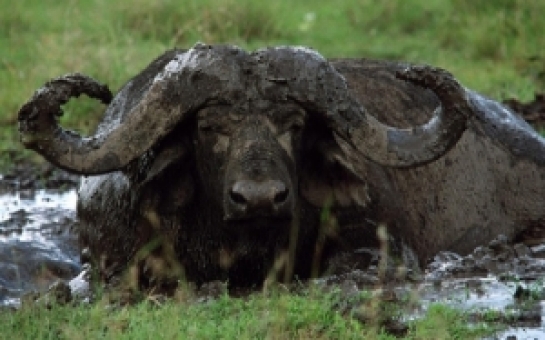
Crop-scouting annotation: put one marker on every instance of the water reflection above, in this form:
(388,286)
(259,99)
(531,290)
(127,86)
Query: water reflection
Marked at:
(38,241)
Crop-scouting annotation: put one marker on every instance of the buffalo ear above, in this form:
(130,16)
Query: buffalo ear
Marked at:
(327,177)
(163,160)
(163,174)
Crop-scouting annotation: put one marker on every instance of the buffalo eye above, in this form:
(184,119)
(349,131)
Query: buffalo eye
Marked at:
(208,128)
(296,127)
(204,127)
(214,120)
(293,128)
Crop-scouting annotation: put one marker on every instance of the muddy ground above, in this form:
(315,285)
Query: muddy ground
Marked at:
(38,246)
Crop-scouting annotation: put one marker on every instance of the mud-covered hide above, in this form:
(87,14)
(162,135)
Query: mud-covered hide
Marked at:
(488,184)
(269,165)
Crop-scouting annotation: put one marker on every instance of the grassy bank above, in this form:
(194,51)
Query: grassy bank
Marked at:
(261,316)
(494,47)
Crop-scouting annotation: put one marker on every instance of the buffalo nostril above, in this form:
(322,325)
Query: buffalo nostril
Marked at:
(281,196)
(237,197)
(249,195)
(248,198)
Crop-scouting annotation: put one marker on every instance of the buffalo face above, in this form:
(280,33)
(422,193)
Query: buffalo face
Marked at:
(254,159)
(246,159)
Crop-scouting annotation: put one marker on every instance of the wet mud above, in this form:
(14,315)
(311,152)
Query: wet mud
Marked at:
(38,247)
(501,283)
(38,230)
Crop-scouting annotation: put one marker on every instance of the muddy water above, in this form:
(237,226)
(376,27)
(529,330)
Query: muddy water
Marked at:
(480,295)
(494,284)
(38,246)
(38,242)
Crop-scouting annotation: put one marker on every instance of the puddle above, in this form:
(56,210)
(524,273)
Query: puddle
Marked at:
(38,242)
(481,295)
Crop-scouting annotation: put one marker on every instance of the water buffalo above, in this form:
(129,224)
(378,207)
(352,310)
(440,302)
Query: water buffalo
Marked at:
(219,164)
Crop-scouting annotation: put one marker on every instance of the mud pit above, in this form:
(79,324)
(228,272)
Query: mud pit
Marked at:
(38,246)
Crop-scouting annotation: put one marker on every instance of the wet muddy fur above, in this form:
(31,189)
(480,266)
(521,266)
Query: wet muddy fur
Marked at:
(219,164)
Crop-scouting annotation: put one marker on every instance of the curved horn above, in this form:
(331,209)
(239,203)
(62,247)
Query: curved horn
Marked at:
(316,85)
(185,84)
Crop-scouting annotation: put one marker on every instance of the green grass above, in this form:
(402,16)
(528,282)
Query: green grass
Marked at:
(495,47)
(260,316)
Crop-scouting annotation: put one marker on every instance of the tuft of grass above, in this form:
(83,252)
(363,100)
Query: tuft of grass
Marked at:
(443,322)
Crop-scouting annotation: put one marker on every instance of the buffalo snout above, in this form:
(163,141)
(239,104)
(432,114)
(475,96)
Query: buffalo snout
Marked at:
(249,198)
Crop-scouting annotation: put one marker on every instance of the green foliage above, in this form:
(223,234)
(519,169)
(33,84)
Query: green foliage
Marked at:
(311,315)
(176,23)
(278,315)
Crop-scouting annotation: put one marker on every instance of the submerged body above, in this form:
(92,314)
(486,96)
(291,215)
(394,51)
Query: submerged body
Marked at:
(491,182)
(278,170)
